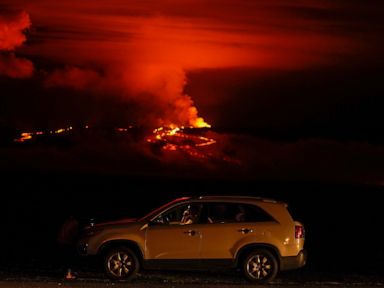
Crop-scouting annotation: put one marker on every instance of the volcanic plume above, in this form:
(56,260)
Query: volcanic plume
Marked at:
(141,53)
(158,90)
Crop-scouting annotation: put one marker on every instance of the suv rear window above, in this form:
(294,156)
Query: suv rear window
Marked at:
(236,212)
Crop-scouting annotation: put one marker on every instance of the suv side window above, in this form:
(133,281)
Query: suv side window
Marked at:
(180,215)
(220,212)
(252,213)
(235,212)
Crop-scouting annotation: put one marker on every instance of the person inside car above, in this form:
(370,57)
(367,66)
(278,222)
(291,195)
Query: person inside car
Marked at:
(240,216)
(190,215)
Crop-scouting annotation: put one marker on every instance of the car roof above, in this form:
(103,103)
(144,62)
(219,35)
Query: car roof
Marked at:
(239,198)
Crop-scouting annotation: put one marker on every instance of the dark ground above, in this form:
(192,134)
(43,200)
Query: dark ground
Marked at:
(42,184)
(343,223)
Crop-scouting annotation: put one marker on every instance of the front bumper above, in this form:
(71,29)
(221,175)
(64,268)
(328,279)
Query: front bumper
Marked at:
(293,262)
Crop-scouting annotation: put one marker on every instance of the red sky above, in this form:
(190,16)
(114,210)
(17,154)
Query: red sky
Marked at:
(142,50)
(305,71)
(194,34)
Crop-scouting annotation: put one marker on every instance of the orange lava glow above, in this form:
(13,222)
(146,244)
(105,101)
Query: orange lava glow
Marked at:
(143,51)
(25,136)
(187,34)
(170,138)
(174,138)
(200,123)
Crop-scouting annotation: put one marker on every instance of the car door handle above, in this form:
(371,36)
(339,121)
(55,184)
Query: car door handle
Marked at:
(190,232)
(245,230)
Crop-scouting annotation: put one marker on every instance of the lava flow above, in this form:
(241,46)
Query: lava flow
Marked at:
(26,136)
(169,138)
(180,138)
(195,143)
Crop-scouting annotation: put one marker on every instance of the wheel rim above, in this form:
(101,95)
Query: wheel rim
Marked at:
(259,267)
(120,264)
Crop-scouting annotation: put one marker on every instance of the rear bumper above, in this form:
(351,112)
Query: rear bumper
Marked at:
(293,262)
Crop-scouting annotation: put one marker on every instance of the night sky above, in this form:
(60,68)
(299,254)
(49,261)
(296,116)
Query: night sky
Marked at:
(294,87)
(292,90)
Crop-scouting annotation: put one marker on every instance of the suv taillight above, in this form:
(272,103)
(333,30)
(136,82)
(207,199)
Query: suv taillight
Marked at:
(299,231)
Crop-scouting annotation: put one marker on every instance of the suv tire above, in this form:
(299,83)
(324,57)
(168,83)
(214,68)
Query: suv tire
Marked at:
(121,263)
(260,266)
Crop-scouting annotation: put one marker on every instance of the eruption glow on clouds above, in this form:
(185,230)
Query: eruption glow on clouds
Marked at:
(11,37)
(142,51)
(116,61)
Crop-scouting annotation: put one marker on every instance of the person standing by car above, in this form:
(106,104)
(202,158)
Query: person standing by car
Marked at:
(66,242)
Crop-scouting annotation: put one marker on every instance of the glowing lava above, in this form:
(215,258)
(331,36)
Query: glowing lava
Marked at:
(27,136)
(174,138)
(188,140)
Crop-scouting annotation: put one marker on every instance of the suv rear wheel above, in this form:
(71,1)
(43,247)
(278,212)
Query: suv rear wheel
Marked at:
(260,266)
(121,264)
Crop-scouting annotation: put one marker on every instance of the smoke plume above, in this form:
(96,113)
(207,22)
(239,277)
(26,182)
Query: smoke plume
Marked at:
(142,52)
(157,90)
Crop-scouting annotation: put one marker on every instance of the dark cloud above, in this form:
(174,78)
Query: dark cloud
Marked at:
(15,67)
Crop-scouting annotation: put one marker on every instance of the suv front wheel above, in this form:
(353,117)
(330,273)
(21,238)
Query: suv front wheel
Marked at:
(260,266)
(121,264)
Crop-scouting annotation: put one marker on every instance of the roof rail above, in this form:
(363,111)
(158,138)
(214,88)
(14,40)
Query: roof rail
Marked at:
(264,199)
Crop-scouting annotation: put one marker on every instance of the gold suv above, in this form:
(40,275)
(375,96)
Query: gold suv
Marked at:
(254,235)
